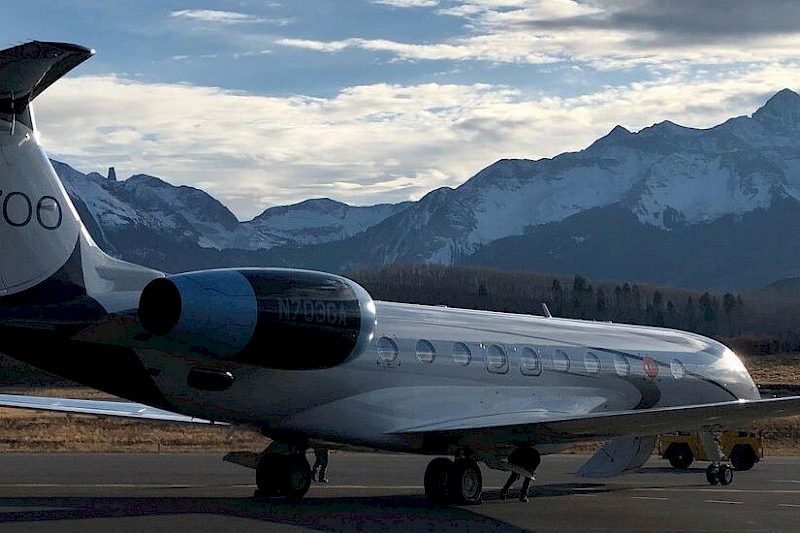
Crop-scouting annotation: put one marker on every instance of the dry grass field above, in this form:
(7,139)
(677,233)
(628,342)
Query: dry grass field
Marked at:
(22,430)
(31,431)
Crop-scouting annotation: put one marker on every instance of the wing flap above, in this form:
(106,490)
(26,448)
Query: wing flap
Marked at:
(99,408)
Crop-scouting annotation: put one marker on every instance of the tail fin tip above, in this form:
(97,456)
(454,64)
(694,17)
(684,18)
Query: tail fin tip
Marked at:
(28,69)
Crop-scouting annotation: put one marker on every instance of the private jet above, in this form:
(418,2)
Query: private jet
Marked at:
(309,359)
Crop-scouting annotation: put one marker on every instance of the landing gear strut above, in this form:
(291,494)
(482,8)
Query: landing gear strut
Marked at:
(717,471)
(283,470)
(458,481)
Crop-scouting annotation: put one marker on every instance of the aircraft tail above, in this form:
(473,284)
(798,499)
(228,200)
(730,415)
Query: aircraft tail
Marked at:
(42,238)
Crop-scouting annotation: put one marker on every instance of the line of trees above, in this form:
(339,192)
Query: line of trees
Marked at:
(759,325)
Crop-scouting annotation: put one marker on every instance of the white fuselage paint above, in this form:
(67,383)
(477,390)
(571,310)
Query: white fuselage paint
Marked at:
(38,225)
(364,402)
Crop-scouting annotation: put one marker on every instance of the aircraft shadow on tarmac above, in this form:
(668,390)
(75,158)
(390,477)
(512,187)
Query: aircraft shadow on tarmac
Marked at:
(374,513)
(392,513)
(378,513)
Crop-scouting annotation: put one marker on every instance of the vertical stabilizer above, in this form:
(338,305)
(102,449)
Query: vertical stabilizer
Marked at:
(42,238)
(39,227)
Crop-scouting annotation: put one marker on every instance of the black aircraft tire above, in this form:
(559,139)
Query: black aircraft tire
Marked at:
(712,474)
(296,476)
(269,472)
(466,482)
(437,480)
(680,455)
(725,474)
(743,457)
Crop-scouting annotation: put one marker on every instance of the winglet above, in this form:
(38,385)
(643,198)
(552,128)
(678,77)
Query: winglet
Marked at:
(28,69)
(546,311)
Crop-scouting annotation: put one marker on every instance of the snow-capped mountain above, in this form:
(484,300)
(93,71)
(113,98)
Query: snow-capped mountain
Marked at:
(666,175)
(687,198)
(708,186)
(145,218)
(318,221)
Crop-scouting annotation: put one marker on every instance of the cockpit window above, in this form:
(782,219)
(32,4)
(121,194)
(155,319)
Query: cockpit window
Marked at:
(425,351)
(677,369)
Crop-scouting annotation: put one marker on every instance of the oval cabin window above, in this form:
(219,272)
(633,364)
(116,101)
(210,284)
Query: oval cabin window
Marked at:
(387,351)
(530,363)
(496,359)
(621,365)
(592,363)
(461,354)
(425,351)
(561,361)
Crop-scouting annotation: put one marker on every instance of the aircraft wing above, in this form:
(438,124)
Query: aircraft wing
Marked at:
(99,408)
(541,427)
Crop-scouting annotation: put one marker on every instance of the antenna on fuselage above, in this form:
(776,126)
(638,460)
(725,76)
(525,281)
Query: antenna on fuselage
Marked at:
(546,311)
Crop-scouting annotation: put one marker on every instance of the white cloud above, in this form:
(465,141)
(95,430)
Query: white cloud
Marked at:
(603,34)
(407,3)
(212,16)
(367,144)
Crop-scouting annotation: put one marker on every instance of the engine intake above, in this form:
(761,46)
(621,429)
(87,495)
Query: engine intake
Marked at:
(275,318)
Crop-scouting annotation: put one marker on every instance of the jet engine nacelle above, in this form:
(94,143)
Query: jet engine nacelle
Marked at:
(275,318)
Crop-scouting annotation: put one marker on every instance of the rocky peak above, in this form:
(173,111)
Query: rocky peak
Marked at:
(781,110)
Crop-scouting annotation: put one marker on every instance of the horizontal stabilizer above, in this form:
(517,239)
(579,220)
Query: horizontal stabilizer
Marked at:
(28,69)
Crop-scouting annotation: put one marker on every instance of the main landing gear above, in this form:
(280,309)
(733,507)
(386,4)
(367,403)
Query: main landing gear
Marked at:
(458,481)
(283,470)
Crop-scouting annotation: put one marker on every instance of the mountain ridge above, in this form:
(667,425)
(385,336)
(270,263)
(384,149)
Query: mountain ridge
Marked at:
(670,178)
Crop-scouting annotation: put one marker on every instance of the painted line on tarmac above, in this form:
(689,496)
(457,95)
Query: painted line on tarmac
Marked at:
(789,505)
(728,502)
(168,486)
(324,486)
(113,486)
(654,498)
(721,490)
(367,487)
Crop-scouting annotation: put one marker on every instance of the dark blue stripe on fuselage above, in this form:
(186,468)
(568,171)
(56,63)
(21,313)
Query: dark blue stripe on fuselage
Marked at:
(60,299)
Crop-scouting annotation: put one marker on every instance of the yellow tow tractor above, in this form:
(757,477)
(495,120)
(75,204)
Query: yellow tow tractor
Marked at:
(744,449)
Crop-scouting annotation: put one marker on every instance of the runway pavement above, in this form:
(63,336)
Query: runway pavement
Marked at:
(378,492)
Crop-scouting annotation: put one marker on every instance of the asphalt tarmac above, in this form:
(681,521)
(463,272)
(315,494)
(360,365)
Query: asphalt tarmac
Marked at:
(380,492)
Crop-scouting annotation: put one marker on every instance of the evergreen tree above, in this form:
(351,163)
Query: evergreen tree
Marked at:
(557,294)
(602,305)
(709,307)
(689,315)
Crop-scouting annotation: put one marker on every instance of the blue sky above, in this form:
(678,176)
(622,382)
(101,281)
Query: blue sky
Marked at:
(265,103)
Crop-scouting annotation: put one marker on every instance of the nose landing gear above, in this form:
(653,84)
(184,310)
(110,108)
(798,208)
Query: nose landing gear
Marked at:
(719,473)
